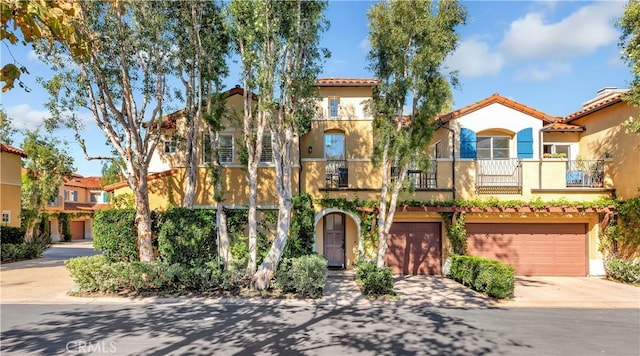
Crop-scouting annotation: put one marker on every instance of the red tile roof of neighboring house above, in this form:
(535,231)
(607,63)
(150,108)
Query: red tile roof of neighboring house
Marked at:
(11,149)
(84,207)
(606,101)
(79,181)
(562,127)
(346,82)
(150,177)
(497,98)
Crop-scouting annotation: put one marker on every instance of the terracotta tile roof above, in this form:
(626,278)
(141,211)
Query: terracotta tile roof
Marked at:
(562,127)
(346,82)
(606,101)
(11,149)
(79,181)
(84,207)
(150,177)
(497,98)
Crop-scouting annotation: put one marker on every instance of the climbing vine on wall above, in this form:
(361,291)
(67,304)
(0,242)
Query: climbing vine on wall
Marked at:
(456,231)
(65,226)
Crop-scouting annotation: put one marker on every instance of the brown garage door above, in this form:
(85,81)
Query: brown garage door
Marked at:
(77,230)
(533,249)
(415,248)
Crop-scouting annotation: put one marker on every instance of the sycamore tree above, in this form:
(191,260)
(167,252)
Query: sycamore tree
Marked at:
(254,26)
(629,23)
(201,40)
(46,165)
(298,59)
(6,130)
(409,43)
(121,81)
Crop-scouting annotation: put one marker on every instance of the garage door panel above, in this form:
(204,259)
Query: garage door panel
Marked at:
(77,230)
(533,249)
(414,248)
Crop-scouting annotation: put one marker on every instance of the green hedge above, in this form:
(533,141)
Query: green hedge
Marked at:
(484,275)
(372,280)
(23,251)
(99,274)
(11,235)
(114,234)
(305,276)
(623,271)
(188,236)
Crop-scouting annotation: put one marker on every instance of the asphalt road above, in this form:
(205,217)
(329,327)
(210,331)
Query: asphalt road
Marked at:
(243,329)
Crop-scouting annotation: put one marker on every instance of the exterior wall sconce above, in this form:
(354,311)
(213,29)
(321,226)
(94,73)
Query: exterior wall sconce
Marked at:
(310,149)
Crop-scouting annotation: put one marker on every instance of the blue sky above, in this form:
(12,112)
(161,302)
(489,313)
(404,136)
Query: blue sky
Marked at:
(549,55)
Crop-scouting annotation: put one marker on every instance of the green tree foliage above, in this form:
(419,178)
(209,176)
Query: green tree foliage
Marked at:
(629,23)
(6,131)
(33,20)
(46,165)
(122,81)
(409,43)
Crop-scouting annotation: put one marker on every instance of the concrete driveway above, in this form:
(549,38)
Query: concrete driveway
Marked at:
(583,292)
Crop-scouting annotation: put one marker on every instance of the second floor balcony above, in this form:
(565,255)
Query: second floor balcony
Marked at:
(337,174)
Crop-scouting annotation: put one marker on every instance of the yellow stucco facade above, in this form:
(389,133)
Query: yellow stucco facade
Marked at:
(10,185)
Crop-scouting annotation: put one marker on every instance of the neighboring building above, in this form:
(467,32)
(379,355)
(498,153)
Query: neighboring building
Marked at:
(495,150)
(10,184)
(79,197)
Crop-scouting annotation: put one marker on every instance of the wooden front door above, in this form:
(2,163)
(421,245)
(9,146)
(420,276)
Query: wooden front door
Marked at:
(334,242)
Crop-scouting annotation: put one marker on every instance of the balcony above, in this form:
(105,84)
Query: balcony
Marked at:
(585,173)
(499,176)
(418,178)
(337,174)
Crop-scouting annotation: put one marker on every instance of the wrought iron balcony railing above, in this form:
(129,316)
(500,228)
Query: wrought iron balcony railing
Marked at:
(337,174)
(585,173)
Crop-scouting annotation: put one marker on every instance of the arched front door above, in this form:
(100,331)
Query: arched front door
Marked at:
(334,241)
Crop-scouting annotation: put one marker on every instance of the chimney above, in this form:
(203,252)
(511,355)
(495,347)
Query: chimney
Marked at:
(603,94)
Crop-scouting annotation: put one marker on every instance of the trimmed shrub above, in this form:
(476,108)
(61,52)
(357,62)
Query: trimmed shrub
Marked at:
(305,276)
(373,280)
(23,251)
(115,234)
(623,271)
(188,236)
(11,235)
(484,275)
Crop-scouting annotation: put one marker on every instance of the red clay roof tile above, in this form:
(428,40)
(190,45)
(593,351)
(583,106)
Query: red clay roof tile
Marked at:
(11,149)
(612,99)
(497,98)
(346,82)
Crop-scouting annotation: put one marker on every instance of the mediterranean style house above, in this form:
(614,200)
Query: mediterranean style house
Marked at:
(10,184)
(533,179)
(78,197)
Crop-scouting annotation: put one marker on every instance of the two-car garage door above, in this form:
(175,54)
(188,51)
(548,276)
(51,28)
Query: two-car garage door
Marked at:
(414,248)
(534,249)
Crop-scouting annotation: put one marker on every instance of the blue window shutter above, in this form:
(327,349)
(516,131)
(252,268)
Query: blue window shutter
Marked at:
(525,143)
(104,197)
(467,143)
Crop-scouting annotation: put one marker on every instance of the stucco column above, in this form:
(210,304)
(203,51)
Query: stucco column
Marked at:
(55,230)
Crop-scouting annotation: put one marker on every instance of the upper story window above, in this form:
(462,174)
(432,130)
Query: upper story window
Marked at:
(54,202)
(225,148)
(170,146)
(435,151)
(71,195)
(493,147)
(557,150)
(267,150)
(96,197)
(334,148)
(334,106)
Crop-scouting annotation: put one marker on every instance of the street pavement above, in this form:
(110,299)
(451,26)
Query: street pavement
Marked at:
(431,316)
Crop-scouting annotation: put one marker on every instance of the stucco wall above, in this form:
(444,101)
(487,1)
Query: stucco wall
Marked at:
(10,185)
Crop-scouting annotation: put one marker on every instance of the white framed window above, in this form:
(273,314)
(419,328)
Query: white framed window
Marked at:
(493,147)
(334,106)
(96,197)
(225,148)
(170,146)
(54,202)
(71,195)
(334,146)
(557,150)
(267,150)
(435,151)
(6,216)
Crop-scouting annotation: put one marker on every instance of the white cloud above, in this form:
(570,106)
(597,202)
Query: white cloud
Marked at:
(365,45)
(543,72)
(24,117)
(474,58)
(582,32)
(32,56)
